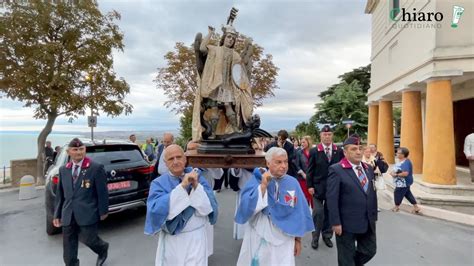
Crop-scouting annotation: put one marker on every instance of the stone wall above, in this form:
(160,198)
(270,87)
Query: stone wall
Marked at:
(20,168)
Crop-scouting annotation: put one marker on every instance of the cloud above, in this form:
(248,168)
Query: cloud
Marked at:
(312,42)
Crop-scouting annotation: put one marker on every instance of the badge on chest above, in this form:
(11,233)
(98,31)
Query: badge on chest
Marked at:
(86,183)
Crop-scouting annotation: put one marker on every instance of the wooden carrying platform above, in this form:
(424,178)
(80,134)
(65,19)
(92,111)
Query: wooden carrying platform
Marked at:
(226,160)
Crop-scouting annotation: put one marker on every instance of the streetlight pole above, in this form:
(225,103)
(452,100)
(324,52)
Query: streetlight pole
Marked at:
(91,83)
(92,111)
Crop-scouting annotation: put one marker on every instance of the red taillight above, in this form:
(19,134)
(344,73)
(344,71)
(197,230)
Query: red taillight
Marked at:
(146,170)
(55,179)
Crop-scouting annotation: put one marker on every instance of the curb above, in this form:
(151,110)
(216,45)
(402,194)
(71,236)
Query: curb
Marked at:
(10,189)
(428,211)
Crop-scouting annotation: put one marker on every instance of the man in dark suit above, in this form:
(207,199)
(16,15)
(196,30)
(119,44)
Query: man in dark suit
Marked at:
(289,148)
(352,204)
(321,157)
(81,200)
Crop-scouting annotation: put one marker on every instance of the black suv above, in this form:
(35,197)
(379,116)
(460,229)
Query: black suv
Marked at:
(129,176)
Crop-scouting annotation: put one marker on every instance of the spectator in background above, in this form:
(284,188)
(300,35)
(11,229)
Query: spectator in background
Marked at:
(153,143)
(149,149)
(469,152)
(296,144)
(133,138)
(48,156)
(403,179)
(369,159)
(160,165)
(223,179)
(382,165)
(379,165)
(57,150)
(257,144)
(302,163)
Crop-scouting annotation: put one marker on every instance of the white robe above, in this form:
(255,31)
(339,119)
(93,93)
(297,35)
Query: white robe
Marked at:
(211,174)
(244,176)
(263,241)
(190,246)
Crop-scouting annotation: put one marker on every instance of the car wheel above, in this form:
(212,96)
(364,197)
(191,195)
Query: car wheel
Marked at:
(50,228)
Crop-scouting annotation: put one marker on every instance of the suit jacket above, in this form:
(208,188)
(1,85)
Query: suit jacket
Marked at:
(302,163)
(159,151)
(290,150)
(88,200)
(348,204)
(318,168)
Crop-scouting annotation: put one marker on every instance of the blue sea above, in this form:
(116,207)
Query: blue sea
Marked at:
(22,145)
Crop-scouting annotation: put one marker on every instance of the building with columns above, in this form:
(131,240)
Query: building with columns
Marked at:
(427,67)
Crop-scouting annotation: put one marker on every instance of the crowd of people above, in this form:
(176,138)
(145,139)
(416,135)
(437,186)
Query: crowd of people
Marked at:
(320,188)
(49,155)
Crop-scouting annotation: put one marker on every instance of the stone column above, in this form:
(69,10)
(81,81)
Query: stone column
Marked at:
(412,135)
(373,124)
(439,165)
(385,131)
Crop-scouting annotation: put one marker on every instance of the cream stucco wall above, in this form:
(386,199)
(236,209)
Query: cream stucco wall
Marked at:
(405,54)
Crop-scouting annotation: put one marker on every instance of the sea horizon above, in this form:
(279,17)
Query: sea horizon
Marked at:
(21,144)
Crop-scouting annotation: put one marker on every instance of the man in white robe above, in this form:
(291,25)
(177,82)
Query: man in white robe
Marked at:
(277,214)
(244,175)
(180,206)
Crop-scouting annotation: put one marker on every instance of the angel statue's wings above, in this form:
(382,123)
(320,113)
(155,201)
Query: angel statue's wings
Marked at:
(246,56)
(200,56)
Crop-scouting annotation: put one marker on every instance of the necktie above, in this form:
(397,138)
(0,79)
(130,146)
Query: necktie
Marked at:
(328,154)
(362,178)
(75,173)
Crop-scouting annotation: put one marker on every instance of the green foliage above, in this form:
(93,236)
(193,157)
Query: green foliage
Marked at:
(46,51)
(307,129)
(361,74)
(185,130)
(57,58)
(346,102)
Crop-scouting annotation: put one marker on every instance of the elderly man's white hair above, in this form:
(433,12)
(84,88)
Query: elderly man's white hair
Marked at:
(274,151)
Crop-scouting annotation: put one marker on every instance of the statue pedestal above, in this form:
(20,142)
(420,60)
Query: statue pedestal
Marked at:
(196,159)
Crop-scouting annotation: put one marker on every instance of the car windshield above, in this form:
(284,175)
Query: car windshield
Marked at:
(111,154)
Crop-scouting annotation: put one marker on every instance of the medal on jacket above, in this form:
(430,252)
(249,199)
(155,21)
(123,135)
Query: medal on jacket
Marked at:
(87,183)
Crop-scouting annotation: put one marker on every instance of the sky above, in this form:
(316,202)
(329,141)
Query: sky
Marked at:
(312,43)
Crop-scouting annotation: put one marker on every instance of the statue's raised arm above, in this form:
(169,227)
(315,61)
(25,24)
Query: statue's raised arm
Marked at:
(200,48)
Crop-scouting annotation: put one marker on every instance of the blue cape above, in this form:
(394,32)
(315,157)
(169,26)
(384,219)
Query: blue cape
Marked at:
(158,205)
(294,221)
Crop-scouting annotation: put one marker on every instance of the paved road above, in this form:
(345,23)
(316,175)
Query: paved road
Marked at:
(403,239)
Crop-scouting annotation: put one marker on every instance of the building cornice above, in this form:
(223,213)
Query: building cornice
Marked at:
(414,69)
(441,75)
